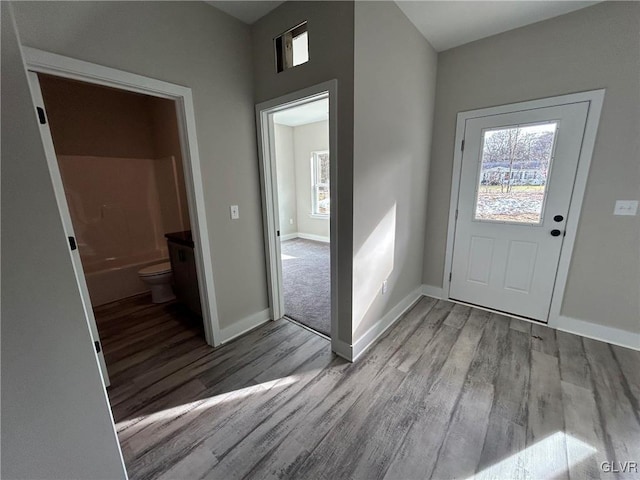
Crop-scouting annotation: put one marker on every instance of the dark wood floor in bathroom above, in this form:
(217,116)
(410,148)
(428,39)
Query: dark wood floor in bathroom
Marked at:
(449,392)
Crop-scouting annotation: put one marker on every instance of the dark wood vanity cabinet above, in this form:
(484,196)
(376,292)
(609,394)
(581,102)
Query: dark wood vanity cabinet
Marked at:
(183,265)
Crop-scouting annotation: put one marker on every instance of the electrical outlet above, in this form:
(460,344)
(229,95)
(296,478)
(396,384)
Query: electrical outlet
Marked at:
(384,287)
(626,207)
(291,221)
(235,212)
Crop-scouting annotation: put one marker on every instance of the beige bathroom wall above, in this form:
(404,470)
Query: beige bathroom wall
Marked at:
(169,165)
(93,120)
(593,48)
(115,208)
(307,139)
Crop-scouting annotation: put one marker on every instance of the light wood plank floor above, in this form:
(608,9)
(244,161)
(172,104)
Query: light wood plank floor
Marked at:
(449,392)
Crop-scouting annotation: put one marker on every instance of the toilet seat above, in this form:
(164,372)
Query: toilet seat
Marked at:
(157,269)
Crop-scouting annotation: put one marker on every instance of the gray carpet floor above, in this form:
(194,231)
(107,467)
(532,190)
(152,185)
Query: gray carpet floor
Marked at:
(306,278)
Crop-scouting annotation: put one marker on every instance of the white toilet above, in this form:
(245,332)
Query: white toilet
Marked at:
(158,277)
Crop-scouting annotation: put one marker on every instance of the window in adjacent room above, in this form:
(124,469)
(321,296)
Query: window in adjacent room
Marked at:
(321,201)
(292,48)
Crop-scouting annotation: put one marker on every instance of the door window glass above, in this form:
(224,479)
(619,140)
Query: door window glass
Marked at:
(514,169)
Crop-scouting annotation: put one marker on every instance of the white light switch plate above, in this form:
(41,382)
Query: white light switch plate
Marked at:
(626,207)
(235,212)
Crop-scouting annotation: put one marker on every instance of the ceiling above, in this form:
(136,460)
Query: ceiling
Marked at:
(247,11)
(307,113)
(446,24)
(451,24)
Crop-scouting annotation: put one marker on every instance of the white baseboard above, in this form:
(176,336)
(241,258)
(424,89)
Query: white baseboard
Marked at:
(433,292)
(382,325)
(317,238)
(603,333)
(307,236)
(576,326)
(243,326)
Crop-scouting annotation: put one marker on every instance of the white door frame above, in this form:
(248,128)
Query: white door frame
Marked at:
(266,152)
(40,61)
(595,99)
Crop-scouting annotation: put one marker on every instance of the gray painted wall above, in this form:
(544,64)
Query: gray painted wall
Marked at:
(56,421)
(197,46)
(293,153)
(395,78)
(592,48)
(286,175)
(330,27)
(306,139)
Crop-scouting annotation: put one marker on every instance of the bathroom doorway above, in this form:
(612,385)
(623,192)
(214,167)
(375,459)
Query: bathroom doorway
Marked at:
(298,159)
(120,162)
(179,102)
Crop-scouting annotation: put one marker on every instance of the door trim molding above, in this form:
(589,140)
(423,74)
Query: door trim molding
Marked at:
(595,99)
(266,152)
(53,64)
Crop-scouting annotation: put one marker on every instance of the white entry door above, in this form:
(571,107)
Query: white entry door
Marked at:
(516,183)
(58,188)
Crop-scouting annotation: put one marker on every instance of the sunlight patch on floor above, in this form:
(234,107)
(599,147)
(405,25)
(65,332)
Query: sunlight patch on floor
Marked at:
(171,413)
(287,257)
(544,459)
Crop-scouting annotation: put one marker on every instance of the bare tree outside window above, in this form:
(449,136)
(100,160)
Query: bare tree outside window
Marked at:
(513,172)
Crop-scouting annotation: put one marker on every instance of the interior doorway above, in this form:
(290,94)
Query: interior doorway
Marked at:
(297,136)
(302,161)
